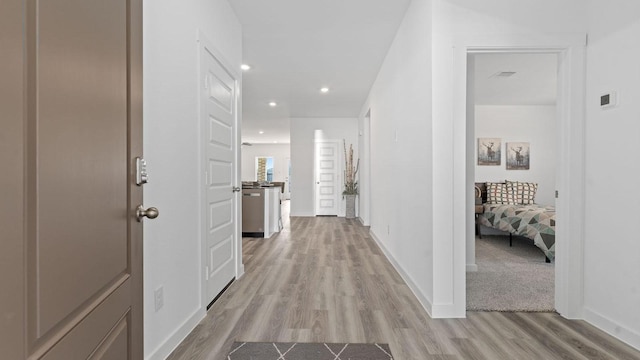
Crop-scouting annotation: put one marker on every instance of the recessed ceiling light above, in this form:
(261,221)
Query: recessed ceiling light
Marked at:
(260,132)
(245,67)
(272,104)
(324,90)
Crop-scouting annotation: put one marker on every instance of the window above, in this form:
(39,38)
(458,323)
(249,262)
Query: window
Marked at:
(264,168)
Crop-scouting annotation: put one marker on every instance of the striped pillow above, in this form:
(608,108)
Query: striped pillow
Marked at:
(498,193)
(523,192)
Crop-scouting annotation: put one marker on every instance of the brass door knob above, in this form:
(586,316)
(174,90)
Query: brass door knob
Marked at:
(150,213)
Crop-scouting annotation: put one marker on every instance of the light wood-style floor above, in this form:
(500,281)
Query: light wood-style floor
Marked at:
(325,280)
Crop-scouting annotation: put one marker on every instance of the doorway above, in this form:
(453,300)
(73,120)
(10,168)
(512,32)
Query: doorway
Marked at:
(571,54)
(512,100)
(287,188)
(327,174)
(264,169)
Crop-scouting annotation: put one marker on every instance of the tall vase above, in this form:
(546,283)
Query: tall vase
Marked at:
(350,212)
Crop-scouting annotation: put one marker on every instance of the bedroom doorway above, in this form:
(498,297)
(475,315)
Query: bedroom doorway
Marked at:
(512,142)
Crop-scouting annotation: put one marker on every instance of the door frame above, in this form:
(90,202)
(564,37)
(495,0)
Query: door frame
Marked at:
(203,42)
(364,176)
(136,126)
(569,276)
(287,183)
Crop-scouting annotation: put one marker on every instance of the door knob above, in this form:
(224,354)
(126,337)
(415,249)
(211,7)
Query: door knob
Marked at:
(150,213)
(236,189)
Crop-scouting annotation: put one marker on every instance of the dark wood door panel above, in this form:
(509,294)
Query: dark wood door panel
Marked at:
(115,346)
(95,333)
(78,142)
(71,249)
(12,247)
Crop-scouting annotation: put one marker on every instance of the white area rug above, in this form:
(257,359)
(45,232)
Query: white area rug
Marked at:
(510,278)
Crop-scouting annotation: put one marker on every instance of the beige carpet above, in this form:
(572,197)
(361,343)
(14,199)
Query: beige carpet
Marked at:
(308,351)
(510,278)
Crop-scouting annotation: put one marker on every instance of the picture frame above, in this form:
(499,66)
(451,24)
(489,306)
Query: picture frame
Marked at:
(489,151)
(518,155)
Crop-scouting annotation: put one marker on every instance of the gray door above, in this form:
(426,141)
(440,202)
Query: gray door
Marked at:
(76,255)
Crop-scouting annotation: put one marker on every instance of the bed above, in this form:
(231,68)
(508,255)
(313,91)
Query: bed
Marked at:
(533,221)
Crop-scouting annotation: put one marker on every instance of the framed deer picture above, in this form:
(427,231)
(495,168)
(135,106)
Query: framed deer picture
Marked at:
(489,151)
(518,155)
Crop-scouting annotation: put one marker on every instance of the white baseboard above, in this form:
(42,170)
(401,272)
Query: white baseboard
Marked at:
(426,303)
(447,311)
(472,267)
(302,214)
(612,328)
(163,351)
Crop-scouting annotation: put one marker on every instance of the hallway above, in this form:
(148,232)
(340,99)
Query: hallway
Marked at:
(324,279)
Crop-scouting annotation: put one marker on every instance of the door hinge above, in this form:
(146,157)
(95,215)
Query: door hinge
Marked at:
(556,194)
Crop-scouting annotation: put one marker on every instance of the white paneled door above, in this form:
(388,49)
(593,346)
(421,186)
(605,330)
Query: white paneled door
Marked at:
(219,122)
(327,174)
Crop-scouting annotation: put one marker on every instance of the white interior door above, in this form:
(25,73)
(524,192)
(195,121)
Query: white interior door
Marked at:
(327,174)
(219,122)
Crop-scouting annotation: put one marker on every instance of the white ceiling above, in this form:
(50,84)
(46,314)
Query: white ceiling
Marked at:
(295,47)
(534,81)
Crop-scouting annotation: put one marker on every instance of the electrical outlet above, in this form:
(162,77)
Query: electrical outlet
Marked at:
(159,298)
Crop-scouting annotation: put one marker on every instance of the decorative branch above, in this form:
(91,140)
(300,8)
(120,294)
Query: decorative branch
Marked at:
(350,172)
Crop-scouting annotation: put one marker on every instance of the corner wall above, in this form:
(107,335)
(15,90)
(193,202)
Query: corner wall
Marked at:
(302,158)
(401,154)
(612,249)
(172,244)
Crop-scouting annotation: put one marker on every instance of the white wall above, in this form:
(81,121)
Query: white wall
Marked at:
(281,153)
(172,248)
(401,164)
(302,157)
(533,124)
(612,249)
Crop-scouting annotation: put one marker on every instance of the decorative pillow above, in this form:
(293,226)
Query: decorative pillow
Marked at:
(523,192)
(498,193)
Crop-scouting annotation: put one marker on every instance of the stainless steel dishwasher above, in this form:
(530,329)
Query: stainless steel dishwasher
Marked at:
(253,212)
